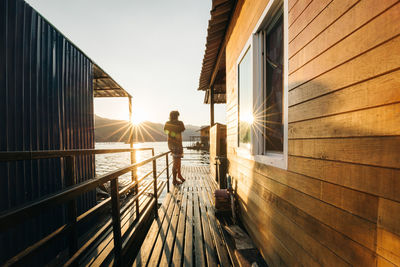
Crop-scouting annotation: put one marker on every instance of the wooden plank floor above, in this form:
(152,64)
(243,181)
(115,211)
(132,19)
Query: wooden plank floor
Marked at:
(100,252)
(186,232)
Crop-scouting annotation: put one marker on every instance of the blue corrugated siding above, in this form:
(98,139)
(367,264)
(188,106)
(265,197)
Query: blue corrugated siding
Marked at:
(46,103)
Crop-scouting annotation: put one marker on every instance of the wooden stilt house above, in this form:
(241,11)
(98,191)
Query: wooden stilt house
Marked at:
(312,91)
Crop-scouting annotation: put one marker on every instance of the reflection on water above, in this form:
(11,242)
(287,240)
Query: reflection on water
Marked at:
(111,162)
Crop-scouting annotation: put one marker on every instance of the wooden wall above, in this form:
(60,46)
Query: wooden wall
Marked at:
(338,203)
(217,145)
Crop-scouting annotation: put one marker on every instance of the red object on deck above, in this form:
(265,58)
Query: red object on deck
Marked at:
(222,199)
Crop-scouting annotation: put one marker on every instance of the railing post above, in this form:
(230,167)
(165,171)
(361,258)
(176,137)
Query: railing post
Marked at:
(133,161)
(70,180)
(136,190)
(166,161)
(115,210)
(135,179)
(155,188)
(133,158)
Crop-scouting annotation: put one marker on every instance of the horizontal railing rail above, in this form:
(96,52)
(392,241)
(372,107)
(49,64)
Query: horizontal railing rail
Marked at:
(68,196)
(47,154)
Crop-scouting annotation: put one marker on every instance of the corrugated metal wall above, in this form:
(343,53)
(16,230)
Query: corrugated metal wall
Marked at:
(46,103)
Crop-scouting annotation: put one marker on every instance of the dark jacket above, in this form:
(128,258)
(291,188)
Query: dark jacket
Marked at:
(174,130)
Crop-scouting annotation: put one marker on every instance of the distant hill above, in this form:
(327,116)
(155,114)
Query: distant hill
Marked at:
(107,130)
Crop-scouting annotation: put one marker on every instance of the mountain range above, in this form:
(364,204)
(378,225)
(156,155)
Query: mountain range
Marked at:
(108,130)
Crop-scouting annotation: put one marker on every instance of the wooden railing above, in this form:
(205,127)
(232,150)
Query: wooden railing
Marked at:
(68,196)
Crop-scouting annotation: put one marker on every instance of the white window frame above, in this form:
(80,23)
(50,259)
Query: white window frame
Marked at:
(247,49)
(257,151)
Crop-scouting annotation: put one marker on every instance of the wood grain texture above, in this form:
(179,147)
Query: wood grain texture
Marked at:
(330,14)
(177,256)
(187,230)
(200,259)
(378,181)
(219,243)
(381,90)
(208,242)
(388,246)
(387,220)
(278,253)
(379,121)
(270,255)
(166,256)
(346,38)
(155,255)
(307,17)
(389,230)
(291,4)
(297,241)
(360,230)
(378,61)
(249,14)
(337,194)
(337,203)
(188,247)
(297,10)
(375,151)
(341,245)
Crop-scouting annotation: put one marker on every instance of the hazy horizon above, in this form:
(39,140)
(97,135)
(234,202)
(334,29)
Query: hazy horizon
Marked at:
(191,124)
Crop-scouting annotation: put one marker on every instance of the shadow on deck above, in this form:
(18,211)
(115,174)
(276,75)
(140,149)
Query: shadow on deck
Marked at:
(186,231)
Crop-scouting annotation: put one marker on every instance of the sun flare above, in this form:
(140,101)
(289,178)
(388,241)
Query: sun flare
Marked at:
(247,117)
(137,118)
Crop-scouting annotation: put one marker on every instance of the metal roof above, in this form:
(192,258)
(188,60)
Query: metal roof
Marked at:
(213,69)
(105,86)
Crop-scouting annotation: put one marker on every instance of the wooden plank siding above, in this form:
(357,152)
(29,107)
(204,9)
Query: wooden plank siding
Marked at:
(338,203)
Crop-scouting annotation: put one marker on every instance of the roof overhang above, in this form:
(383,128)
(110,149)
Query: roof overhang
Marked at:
(105,86)
(213,70)
(203,128)
(219,98)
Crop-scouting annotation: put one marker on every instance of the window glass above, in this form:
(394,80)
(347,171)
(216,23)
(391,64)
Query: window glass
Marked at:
(274,87)
(245,100)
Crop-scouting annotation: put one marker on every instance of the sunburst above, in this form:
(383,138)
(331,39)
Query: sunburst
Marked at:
(134,130)
(262,119)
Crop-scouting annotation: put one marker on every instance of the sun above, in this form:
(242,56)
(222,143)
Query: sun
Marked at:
(137,118)
(247,117)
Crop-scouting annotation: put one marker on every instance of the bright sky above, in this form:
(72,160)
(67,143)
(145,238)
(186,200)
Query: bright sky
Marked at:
(153,48)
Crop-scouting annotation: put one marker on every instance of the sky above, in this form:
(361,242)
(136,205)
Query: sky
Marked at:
(153,49)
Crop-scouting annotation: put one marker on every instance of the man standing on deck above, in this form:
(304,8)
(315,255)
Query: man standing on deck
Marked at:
(174,128)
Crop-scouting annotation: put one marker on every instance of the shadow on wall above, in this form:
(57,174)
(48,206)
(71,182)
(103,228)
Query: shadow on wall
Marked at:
(339,200)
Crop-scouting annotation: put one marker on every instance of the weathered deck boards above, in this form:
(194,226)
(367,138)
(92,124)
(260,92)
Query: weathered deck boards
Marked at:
(100,252)
(186,231)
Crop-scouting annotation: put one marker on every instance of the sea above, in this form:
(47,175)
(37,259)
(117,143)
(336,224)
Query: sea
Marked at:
(110,162)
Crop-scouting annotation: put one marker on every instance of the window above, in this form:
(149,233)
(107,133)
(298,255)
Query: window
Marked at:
(245,100)
(262,89)
(273,81)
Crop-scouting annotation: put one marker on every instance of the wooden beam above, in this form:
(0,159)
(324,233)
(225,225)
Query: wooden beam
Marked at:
(211,106)
(222,9)
(223,45)
(107,89)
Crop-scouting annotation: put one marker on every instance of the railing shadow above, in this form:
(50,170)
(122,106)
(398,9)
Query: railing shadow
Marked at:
(12,217)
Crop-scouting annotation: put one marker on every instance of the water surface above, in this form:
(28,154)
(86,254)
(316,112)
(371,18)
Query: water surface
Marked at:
(110,162)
